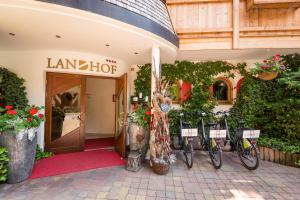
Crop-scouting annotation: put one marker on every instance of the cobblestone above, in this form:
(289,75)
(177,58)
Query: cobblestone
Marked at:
(232,181)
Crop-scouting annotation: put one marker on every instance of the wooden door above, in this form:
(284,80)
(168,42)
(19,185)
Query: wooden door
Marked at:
(65,112)
(121,114)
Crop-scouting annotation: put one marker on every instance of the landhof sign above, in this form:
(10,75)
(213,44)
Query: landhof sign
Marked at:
(106,67)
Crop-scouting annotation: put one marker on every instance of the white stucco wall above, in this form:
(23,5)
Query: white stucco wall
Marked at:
(32,66)
(100,115)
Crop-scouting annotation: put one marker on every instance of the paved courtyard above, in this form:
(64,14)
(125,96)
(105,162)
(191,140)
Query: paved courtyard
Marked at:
(270,181)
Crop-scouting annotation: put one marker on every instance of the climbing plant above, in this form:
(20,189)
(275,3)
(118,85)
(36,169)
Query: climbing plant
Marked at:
(199,74)
(12,89)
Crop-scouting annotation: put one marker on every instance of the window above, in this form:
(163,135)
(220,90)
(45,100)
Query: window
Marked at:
(222,91)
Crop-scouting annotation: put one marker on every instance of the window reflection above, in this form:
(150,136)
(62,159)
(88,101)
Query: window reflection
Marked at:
(220,89)
(65,112)
(120,112)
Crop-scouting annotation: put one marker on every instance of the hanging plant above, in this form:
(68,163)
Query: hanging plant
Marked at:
(270,68)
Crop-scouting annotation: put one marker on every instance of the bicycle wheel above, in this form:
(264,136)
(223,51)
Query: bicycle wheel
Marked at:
(215,154)
(188,154)
(249,157)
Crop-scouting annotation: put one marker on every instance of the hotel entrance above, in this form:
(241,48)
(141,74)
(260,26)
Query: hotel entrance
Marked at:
(84,112)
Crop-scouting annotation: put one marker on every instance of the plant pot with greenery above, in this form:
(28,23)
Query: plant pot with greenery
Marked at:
(18,135)
(138,129)
(270,68)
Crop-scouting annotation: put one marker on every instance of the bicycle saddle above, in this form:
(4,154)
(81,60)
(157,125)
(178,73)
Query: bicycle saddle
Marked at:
(211,124)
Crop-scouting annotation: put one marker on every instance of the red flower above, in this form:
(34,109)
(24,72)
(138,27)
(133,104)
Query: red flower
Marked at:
(265,61)
(29,119)
(148,112)
(278,55)
(11,112)
(264,67)
(33,111)
(40,115)
(145,119)
(8,107)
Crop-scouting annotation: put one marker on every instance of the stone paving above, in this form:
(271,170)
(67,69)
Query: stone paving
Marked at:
(233,181)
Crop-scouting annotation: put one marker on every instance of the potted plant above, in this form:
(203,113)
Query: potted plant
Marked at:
(18,128)
(139,120)
(270,68)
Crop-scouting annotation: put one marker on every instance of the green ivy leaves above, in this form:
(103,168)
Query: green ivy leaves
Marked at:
(12,89)
(3,164)
(271,106)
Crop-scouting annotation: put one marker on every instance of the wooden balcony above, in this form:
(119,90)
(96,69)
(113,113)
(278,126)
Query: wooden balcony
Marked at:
(232,24)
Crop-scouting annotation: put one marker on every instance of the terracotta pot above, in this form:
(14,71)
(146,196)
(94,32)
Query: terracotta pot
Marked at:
(267,76)
(271,154)
(261,151)
(282,157)
(266,153)
(276,156)
(21,154)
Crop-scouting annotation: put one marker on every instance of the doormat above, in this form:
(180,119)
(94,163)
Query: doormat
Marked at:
(75,162)
(99,143)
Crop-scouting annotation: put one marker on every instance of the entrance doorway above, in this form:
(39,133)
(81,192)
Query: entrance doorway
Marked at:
(100,113)
(80,107)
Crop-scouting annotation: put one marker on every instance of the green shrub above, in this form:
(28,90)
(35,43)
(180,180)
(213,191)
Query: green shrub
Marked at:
(200,74)
(40,154)
(174,121)
(280,144)
(12,89)
(271,106)
(3,164)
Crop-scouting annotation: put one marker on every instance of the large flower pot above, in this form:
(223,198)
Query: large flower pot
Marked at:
(21,153)
(138,139)
(267,76)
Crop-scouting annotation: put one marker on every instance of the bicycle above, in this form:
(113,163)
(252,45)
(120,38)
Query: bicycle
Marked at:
(211,138)
(244,143)
(186,137)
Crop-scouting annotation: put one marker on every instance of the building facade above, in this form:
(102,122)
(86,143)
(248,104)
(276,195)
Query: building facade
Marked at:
(81,56)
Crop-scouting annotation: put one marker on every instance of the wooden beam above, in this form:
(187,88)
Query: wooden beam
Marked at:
(236,24)
(273,4)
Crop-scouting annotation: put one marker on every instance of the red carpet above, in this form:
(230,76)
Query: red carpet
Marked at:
(99,143)
(75,162)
